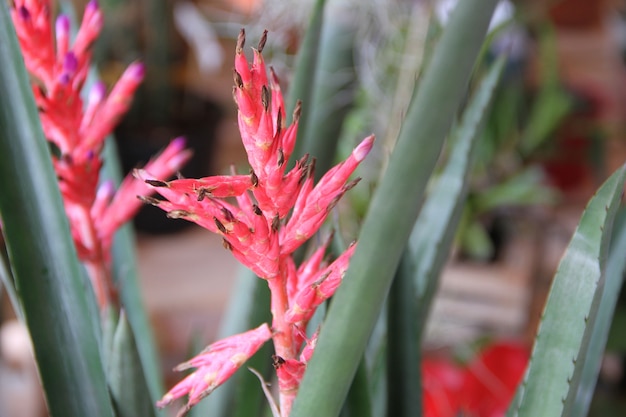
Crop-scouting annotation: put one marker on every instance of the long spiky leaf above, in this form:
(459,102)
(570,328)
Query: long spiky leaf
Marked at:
(357,303)
(551,382)
(43,259)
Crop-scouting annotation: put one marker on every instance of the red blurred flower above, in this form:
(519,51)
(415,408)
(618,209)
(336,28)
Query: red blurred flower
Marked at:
(442,383)
(492,377)
(483,388)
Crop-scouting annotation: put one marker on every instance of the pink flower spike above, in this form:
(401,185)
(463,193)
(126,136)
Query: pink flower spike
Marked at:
(24,14)
(103,196)
(97,93)
(171,160)
(91,8)
(114,107)
(70,65)
(125,203)
(96,97)
(308,269)
(309,348)
(89,29)
(217,186)
(312,206)
(62,29)
(314,294)
(289,373)
(278,104)
(241,63)
(363,148)
(215,365)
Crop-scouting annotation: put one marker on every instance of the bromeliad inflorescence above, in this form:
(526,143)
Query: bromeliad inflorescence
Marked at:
(58,70)
(276,211)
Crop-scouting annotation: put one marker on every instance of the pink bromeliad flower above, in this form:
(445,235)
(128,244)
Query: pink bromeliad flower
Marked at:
(276,211)
(58,69)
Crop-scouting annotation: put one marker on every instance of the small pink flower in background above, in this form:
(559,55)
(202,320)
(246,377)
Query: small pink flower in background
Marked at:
(263,217)
(59,70)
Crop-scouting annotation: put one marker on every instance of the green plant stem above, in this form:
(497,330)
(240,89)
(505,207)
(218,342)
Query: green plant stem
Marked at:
(303,78)
(6,278)
(126,277)
(403,348)
(434,230)
(359,402)
(335,85)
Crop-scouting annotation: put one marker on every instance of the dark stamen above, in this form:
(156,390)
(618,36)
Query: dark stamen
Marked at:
(297,111)
(275,223)
(281,157)
(237,78)
(228,215)
(149,200)
(157,183)
(177,214)
(254,179)
(262,41)
(266,97)
(277,361)
(220,225)
(241,40)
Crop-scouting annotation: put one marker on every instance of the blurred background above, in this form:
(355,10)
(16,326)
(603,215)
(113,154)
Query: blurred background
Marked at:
(555,132)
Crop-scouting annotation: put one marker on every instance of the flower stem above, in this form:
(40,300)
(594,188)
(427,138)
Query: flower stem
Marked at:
(95,264)
(282,334)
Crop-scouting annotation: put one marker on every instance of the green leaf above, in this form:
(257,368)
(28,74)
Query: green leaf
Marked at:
(125,374)
(126,275)
(523,188)
(359,402)
(47,274)
(303,78)
(417,277)
(7,283)
(475,240)
(552,103)
(614,279)
(553,375)
(376,358)
(403,346)
(434,231)
(335,86)
(357,303)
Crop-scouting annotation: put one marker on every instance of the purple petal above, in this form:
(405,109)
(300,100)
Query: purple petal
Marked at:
(97,92)
(23,13)
(63,26)
(70,63)
(92,7)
